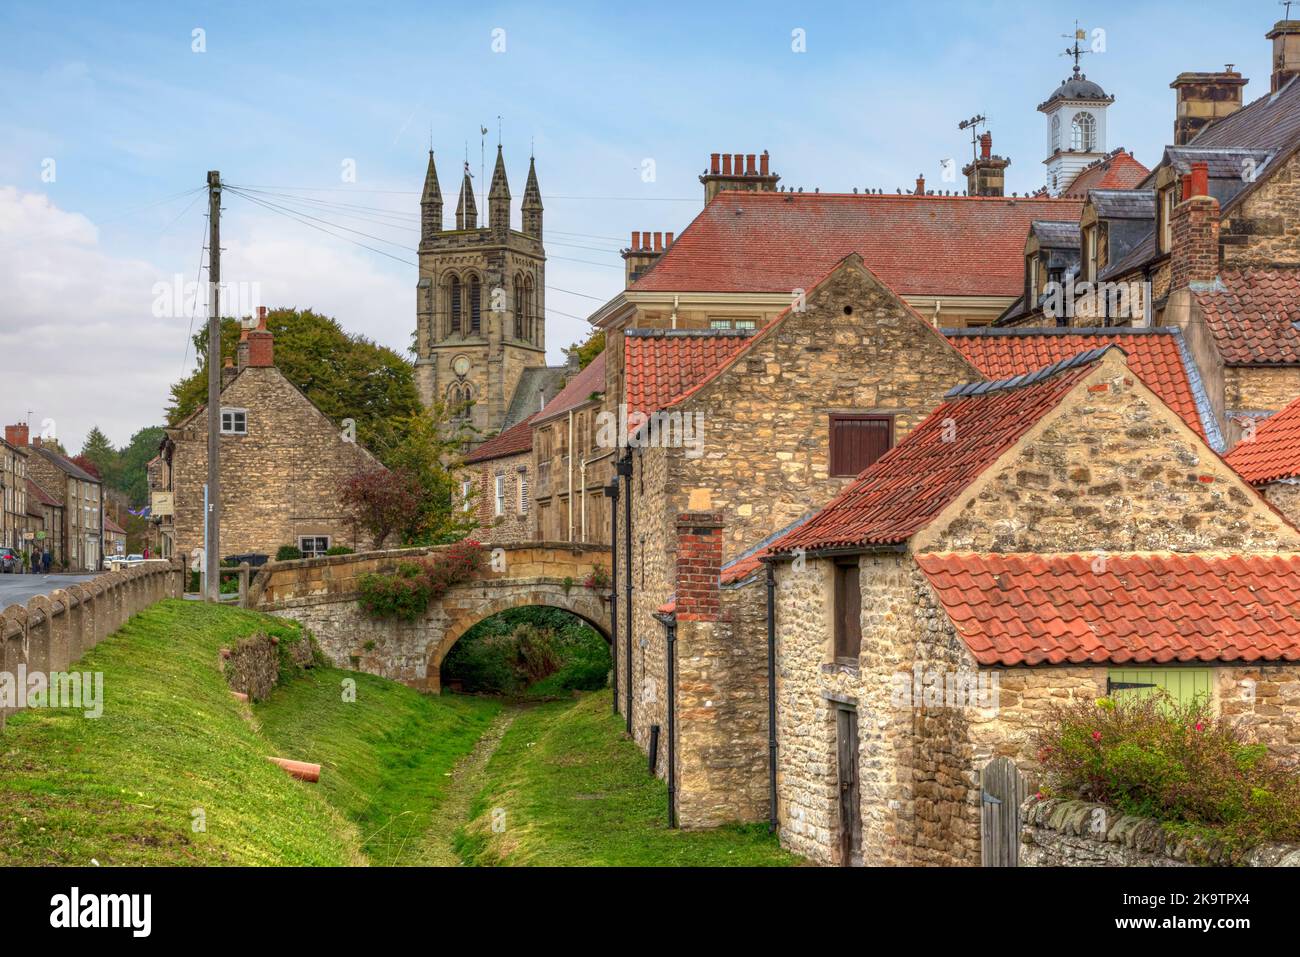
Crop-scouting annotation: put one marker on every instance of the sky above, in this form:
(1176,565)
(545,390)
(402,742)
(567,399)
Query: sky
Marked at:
(112,114)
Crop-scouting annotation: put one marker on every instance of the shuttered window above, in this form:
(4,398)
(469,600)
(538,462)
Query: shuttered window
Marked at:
(848,611)
(1184,685)
(858,440)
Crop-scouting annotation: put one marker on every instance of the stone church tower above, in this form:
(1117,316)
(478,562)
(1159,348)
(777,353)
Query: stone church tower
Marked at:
(480,301)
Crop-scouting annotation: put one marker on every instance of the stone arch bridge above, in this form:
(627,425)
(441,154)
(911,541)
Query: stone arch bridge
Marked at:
(321,593)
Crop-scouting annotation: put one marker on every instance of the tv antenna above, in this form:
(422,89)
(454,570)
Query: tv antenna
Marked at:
(973,125)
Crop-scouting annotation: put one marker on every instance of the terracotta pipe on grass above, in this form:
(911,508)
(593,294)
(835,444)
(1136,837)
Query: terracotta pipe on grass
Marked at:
(298,769)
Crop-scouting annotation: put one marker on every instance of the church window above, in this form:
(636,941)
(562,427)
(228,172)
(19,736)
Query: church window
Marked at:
(454,304)
(530,310)
(1083,133)
(519,309)
(475,306)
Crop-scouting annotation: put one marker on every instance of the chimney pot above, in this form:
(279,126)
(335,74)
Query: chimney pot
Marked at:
(739,164)
(749,164)
(636,241)
(659,242)
(920,185)
(714,160)
(762,164)
(668,240)
(1199,179)
(645,241)
(726,164)
(986,145)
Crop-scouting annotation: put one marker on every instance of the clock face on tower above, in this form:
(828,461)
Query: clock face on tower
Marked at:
(460,365)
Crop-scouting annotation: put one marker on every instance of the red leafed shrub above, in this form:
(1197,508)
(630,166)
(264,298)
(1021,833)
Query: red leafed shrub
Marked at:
(1178,763)
(382,502)
(407,592)
(597,580)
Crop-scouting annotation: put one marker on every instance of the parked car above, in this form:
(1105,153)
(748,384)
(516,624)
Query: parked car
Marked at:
(10,560)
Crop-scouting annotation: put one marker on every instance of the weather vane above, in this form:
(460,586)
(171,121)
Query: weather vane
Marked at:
(1287,5)
(973,125)
(1075,50)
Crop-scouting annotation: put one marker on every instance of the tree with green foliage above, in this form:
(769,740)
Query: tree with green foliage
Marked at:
(431,453)
(346,376)
(99,452)
(132,475)
(587,351)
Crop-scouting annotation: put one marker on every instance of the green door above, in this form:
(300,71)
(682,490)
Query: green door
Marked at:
(1183,684)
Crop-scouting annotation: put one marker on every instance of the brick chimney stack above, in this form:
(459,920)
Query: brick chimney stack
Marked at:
(1286,52)
(16,435)
(1194,249)
(920,185)
(1204,98)
(261,343)
(645,250)
(699,566)
(747,171)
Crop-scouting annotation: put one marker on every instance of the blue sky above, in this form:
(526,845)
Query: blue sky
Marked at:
(287,93)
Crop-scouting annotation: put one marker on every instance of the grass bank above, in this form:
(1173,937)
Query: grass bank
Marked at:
(173,772)
(386,757)
(566,788)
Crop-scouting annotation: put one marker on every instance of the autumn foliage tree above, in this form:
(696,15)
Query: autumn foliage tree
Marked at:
(383,502)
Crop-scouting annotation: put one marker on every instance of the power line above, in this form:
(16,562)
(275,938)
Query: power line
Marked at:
(189,336)
(288,211)
(295,217)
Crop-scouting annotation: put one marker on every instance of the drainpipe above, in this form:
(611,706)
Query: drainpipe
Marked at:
(611,493)
(671,625)
(625,470)
(582,480)
(771,698)
(569,468)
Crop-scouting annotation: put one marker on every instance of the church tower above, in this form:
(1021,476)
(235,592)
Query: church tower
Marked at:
(481,297)
(1076,125)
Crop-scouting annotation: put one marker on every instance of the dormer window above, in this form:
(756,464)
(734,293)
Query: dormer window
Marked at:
(1083,133)
(1164,215)
(1031,270)
(1090,253)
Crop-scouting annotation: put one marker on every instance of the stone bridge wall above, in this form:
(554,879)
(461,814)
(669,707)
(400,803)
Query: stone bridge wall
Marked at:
(321,593)
(53,631)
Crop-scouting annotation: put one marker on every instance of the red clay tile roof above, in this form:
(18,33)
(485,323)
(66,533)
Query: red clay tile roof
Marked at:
(1121,171)
(1251,315)
(660,364)
(913,482)
(577,390)
(1026,609)
(513,441)
(112,526)
(1274,452)
(917,245)
(35,491)
(1153,354)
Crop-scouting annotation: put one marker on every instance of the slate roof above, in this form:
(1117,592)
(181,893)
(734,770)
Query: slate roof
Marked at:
(1124,203)
(549,380)
(1274,452)
(1148,608)
(1143,252)
(512,441)
(1155,356)
(1271,122)
(913,482)
(917,245)
(1054,234)
(661,364)
(1251,313)
(1221,162)
(1120,171)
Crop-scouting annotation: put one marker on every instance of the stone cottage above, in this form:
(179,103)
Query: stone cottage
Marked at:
(282,464)
(754,430)
(1052,535)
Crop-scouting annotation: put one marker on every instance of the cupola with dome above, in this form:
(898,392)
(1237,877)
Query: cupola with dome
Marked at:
(1076,125)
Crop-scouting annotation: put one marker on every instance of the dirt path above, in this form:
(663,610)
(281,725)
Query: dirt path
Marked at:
(467,779)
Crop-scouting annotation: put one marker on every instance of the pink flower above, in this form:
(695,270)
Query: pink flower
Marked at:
(1096,736)
(1200,726)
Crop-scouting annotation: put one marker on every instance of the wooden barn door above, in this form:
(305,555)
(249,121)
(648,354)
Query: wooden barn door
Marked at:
(846,753)
(1002,790)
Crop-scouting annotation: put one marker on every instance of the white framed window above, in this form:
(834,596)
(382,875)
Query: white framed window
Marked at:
(499,496)
(312,546)
(1056,132)
(465,489)
(1083,132)
(234,421)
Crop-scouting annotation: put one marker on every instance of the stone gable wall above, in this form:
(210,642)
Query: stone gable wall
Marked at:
(279,481)
(1265,229)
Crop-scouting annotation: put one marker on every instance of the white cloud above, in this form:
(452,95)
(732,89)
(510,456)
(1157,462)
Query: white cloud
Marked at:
(79,341)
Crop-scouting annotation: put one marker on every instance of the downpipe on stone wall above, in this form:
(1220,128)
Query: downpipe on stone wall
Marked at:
(625,470)
(611,492)
(771,698)
(671,625)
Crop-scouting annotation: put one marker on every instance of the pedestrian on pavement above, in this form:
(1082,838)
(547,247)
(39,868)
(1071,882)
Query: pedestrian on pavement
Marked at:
(46,560)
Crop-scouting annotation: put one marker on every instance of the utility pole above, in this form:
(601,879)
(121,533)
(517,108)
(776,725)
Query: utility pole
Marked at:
(212,577)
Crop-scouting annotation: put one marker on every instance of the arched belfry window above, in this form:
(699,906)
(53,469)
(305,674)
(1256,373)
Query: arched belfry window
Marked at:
(530,310)
(453,305)
(517,305)
(475,306)
(1083,133)
(1056,131)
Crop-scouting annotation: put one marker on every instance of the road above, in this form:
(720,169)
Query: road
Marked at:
(16,589)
